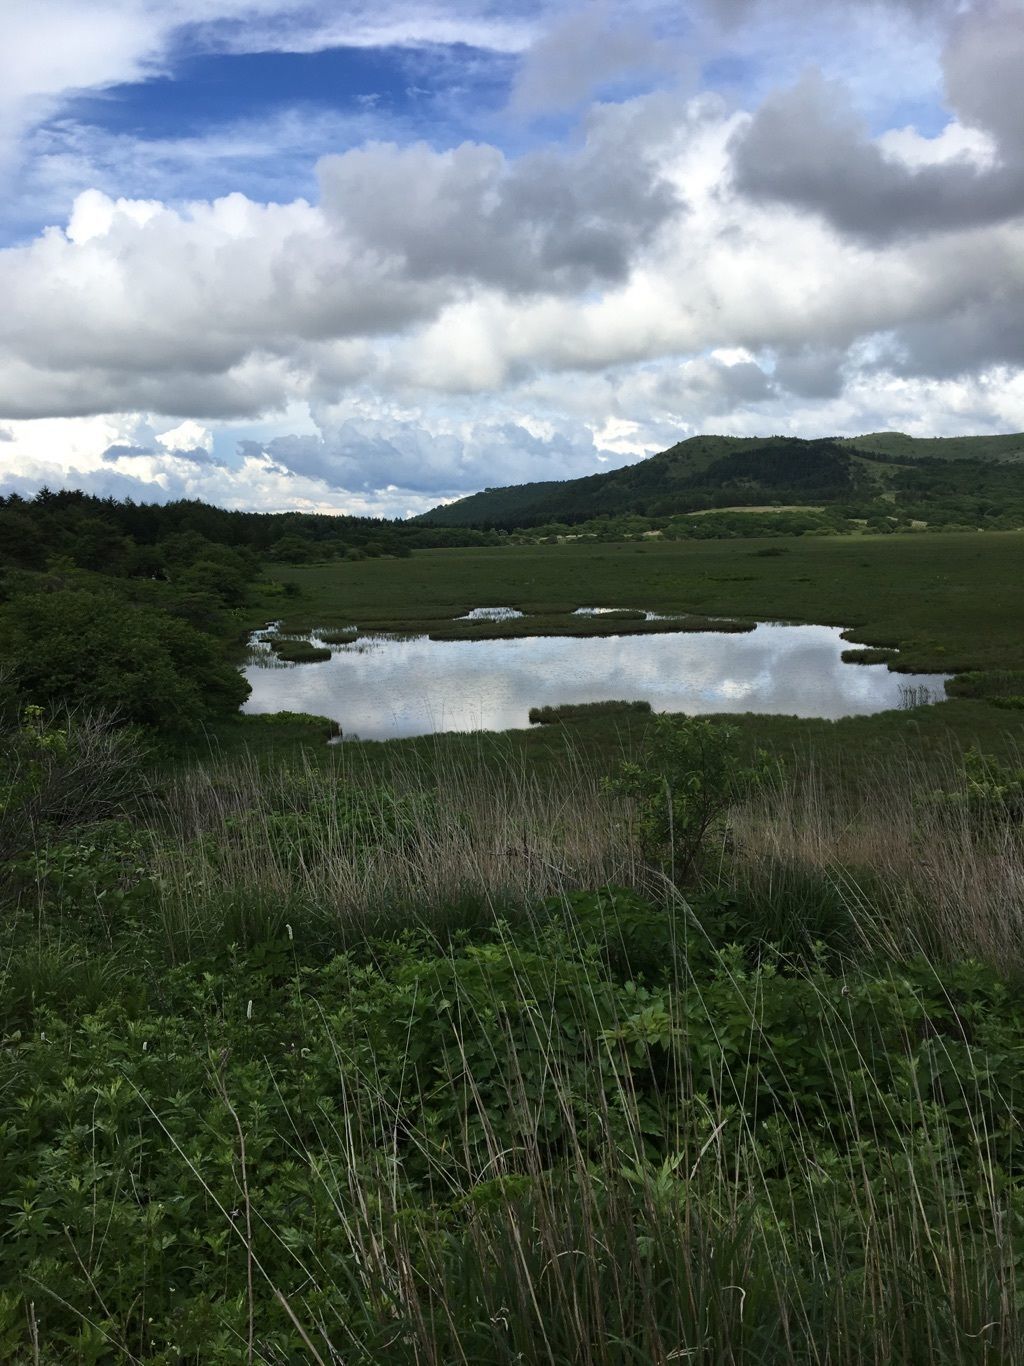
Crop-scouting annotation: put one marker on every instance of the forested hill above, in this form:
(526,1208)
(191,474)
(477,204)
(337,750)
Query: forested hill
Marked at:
(723,471)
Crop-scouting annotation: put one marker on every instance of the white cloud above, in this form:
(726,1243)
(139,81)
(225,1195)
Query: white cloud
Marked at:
(955,143)
(438,319)
(187,436)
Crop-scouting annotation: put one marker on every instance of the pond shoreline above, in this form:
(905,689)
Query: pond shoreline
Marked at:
(393,684)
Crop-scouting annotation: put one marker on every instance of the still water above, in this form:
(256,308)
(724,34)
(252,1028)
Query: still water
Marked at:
(381,688)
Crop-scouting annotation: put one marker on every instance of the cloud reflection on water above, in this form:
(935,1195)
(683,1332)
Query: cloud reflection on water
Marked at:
(381,689)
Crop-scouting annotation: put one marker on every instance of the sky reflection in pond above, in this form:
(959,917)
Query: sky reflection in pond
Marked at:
(383,688)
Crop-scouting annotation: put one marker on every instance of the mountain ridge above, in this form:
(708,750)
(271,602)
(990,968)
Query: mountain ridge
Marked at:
(708,471)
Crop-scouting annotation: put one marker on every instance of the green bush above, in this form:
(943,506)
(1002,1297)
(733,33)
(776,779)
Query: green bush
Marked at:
(991,794)
(407,1112)
(687,777)
(85,649)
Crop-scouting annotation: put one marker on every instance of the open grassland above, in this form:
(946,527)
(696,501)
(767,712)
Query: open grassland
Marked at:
(949,601)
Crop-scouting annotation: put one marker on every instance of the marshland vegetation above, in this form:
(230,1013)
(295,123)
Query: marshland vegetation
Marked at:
(629,1038)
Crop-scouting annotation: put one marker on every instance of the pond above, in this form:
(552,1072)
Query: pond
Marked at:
(385,687)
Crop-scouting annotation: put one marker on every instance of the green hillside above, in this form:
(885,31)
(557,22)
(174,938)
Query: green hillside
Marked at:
(708,472)
(898,446)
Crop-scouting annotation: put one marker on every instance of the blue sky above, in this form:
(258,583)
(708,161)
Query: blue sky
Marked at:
(292,253)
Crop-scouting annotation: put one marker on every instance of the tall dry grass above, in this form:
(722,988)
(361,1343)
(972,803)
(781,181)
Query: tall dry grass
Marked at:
(915,875)
(919,873)
(423,842)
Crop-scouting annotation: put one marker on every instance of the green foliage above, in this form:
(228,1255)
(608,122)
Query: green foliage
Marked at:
(312,818)
(487,1104)
(991,794)
(687,777)
(285,719)
(59,772)
(103,877)
(79,648)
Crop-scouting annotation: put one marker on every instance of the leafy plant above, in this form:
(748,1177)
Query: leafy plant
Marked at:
(688,776)
(62,769)
(991,794)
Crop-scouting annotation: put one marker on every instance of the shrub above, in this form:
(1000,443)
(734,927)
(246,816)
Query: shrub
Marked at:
(991,794)
(82,649)
(687,777)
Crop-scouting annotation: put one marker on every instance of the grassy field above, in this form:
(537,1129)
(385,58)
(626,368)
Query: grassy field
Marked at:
(949,601)
(849,750)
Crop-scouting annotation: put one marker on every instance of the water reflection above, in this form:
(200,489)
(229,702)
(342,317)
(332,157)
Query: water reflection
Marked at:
(491,614)
(381,688)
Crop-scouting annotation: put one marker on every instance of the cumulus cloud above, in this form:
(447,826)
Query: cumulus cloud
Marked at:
(806,145)
(210,309)
(587,49)
(544,223)
(368,454)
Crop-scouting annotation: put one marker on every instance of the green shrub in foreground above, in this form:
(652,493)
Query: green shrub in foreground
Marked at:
(688,775)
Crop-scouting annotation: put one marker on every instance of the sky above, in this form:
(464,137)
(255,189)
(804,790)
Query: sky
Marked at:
(366,257)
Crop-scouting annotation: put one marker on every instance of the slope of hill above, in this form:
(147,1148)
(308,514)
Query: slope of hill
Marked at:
(720,471)
(898,446)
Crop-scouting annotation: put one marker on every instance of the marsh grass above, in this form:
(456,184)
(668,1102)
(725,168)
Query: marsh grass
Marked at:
(344,852)
(294,651)
(917,873)
(868,655)
(960,606)
(574,711)
(374,1074)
